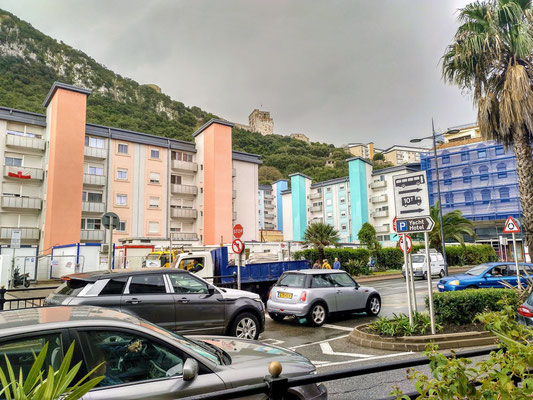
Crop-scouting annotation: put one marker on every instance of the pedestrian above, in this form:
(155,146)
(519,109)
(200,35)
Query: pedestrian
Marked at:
(316,265)
(325,264)
(337,264)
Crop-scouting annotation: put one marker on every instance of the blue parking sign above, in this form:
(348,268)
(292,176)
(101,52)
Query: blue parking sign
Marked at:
(402,226)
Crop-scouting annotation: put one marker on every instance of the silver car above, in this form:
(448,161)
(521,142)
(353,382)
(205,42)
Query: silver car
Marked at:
(141,360)
(315,294)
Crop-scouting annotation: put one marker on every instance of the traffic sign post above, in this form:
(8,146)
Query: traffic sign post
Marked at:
(512,226)
(430,287)
(238,247)
(407,276)
(110,221)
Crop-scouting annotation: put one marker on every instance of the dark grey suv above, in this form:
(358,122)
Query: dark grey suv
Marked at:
(174,299)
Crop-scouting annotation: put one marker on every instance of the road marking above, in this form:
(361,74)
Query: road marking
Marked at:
(320,364)
(274,342)
(320,341)
(340,328)
(326,349)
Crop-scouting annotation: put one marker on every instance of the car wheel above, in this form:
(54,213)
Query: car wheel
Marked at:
(317,315)
(276,317)
(245,326)
(373,305)
(441,273)
(472,287)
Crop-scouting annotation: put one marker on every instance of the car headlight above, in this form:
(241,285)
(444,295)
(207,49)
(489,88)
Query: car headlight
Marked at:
(454,283)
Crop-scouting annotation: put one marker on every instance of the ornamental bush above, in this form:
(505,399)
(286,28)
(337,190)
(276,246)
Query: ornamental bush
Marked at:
(470,255)
(462,306)
(357,257)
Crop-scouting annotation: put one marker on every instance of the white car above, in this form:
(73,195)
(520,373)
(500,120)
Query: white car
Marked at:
(420,264)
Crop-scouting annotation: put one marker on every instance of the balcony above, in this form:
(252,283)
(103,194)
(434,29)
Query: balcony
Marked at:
(94,180)
(185,166)
(233,194)
(186,190)
(380,214)
(95,235)
(95,152)
(317,220)
(28,203)
(314,196)
(184,236)
(92,207)
(382,228)
(269,216)
(378,184)
(233,172)
(26,234)
(183,213)
(269,226)
(269,206)
(22,174)
(269,197)
(25,142)
(379,199)
(315,209)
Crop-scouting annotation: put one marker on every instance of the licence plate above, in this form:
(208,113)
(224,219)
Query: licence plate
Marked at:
(283,295)
(440,286)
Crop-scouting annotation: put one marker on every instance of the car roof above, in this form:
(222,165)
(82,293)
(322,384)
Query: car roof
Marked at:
(316,271)
(95,275)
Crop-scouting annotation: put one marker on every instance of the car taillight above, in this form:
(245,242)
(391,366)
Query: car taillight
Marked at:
(270,295)
(303,297)
(525,312)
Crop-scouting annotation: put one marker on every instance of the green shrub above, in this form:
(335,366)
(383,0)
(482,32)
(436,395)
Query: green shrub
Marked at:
(356,268)
(359,256)
(389,258)
(470,255)
(399,325)
(462,306)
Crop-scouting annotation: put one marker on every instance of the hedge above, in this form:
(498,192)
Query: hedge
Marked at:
(347,257)
(462,306)
(470,255)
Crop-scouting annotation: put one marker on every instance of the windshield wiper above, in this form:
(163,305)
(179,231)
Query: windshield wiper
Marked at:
(218,351)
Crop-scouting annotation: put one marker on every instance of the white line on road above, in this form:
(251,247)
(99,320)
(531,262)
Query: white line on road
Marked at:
(320,364)
(320,341)
(340,328)
(326,349)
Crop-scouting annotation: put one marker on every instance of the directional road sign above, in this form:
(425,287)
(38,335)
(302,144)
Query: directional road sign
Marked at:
(418,224)
(237,246)
(409,243)
(411,195)
(511,226)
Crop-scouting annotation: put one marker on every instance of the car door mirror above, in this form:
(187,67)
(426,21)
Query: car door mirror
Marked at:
(211,290)
(190,369)
(488,275)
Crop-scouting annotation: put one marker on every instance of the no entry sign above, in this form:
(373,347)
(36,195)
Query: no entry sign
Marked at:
(238,231)
(237,246)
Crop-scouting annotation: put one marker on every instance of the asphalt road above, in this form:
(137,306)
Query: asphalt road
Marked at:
(329,349)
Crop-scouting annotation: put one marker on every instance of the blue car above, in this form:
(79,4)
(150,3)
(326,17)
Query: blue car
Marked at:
(489,275)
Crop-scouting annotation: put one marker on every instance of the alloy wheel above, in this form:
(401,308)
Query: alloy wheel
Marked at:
(375,305)
(319,314)
(246,329)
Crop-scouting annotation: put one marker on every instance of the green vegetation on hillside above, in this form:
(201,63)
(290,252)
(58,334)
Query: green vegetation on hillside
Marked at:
(30,62)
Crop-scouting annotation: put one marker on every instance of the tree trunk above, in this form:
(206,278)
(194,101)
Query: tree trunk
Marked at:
(320,254)
(524,170)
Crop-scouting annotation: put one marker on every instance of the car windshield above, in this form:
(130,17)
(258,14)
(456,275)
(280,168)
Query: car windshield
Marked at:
(71,287)
(418,258)
(478,269)
(152,257)
(292,280)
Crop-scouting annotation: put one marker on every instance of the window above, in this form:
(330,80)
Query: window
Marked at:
(178,155)
(92,197)
(321,281)
(499,151)
(485,196)
(330,215)
(342,280)
(467,172)
(154,177)
(502,170)
(121,226)
(154,202)
(122,174)
(13,162)
(342,200)
(448,198)
(482,153)
(121,200)
(341,187)
(96,170)
(119,351)
(469,198)
(329,202)
(91,224)
(94,142)
(175,180)
(21,352)
(447,177)
(445,159)
(343,227)
(153,227)
(343,213)
(483,173)
(113,287)
(185,284)
(328,189)
(504,194)
(143,284)
(465,156)
(123,148)
(154,154)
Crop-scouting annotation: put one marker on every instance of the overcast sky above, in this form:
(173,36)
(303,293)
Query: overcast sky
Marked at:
(338,71)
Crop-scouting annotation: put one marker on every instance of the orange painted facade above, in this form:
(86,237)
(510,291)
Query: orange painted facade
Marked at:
(65,168)
(217,185)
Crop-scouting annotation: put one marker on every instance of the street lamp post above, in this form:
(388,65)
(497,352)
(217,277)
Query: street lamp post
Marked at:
(434,137)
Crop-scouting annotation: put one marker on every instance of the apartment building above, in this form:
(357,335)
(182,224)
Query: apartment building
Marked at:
(478,178)
(363,150)
(271,206)
(61,174)
(400,155)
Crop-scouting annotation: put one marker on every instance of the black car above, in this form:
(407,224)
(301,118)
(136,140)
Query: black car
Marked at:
(174,299)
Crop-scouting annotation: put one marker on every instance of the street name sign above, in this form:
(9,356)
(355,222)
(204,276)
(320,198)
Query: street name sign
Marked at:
(411,195)
(511,226)
(418,224)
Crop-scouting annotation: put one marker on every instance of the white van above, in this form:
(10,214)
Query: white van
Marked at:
(420,265)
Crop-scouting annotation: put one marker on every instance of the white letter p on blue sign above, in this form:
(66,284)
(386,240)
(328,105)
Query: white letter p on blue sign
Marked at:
(402,226)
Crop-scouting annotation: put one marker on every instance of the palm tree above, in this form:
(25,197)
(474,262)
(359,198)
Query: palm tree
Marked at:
(455,226)
(321,235)
(491,57)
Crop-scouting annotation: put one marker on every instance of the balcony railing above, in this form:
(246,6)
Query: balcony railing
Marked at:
(184,166)
(92,207)
(269,206)
(379,214)
(269,226)
(379,199)
(23,173)
(315,208)
(29,203)
(233,194)
(378,184)
(183,213)
(270,216)
(26,234)
(25,142)
(95,152)
(94,180)
(314,196)
(88,235)
(184,236)
(233,172)
(382,228)
(184,189)
(269,197)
